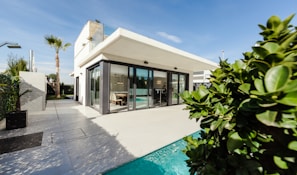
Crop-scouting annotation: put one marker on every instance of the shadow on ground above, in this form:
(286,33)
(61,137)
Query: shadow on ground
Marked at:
(71,144)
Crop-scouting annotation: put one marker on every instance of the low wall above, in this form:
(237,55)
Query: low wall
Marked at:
(35,100)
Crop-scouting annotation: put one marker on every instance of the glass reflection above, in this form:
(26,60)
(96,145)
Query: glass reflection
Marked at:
(95,87)
(118,88)
(174,90)
(160,88)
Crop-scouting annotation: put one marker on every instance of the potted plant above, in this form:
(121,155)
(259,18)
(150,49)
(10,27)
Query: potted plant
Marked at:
(15,117)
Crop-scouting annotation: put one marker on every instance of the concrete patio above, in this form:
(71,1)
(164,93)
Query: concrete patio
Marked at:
(78,140)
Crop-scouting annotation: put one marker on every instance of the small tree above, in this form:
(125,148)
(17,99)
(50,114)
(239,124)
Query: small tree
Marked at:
(11,81)
(15,65)
(249,114)
(57,44)
(52,77)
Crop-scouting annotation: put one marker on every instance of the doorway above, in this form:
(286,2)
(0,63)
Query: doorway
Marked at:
(140,88)
(76,88)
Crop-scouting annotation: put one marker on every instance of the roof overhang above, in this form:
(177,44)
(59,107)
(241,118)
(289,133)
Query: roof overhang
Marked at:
(124,43)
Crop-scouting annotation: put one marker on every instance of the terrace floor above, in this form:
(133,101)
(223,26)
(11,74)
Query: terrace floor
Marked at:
(78,140)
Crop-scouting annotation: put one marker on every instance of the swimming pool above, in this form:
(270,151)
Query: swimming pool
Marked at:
(168,160)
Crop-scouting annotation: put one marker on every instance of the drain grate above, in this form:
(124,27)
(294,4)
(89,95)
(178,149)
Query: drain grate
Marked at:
(17,143)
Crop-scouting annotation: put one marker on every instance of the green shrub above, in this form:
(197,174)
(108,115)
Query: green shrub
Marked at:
(8,94)
(248,115)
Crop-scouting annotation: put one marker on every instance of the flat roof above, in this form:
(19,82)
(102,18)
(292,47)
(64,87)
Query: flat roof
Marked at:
(128,44)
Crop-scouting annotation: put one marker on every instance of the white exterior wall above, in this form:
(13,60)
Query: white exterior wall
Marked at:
(202,77)
(141,63)
(191,81)
(91,34)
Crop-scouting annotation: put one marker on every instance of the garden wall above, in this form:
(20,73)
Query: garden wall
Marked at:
(36,99)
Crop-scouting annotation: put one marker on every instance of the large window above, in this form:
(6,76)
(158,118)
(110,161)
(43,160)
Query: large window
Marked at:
(133,87)
(94,86)
(118,87)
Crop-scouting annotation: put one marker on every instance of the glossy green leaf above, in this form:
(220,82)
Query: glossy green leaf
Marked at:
(234,141)
(196,95)
(288,41)
(289,99)
(293,145)
(280,163)
(262,26)
(222,126)
(238,65)
(267,105)
(267,118)
(202,91)
(262,66)
(288,19)
(185,95)
(262,52)
(245,87)
(259,85)
(273,22)
(215,124)
(289,124)
(291,86)
(275,58)
(271,47)
(195,115)
(276,78)
(291,57)
(219,109)
(254,93)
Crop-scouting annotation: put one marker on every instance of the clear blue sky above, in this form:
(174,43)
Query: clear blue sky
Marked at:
(201,27)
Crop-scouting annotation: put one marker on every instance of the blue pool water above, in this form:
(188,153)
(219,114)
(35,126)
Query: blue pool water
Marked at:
(169,160)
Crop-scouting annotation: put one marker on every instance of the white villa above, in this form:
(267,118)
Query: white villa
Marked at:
(127,71)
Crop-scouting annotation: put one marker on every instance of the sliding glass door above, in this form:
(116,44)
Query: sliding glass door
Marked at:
(140,90)
(174,89)
(160,88)
(142,87)
(94,86)
(178,85)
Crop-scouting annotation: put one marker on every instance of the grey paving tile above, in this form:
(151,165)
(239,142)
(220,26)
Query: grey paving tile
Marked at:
(72,145)
(43,160)
(96,154)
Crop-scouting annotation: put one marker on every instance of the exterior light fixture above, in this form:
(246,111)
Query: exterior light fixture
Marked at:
(145,62)
(11,45)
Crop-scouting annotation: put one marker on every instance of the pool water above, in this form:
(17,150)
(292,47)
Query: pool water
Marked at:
(169,160)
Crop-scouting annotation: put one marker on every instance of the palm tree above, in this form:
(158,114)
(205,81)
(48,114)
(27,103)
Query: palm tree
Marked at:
(57,44)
